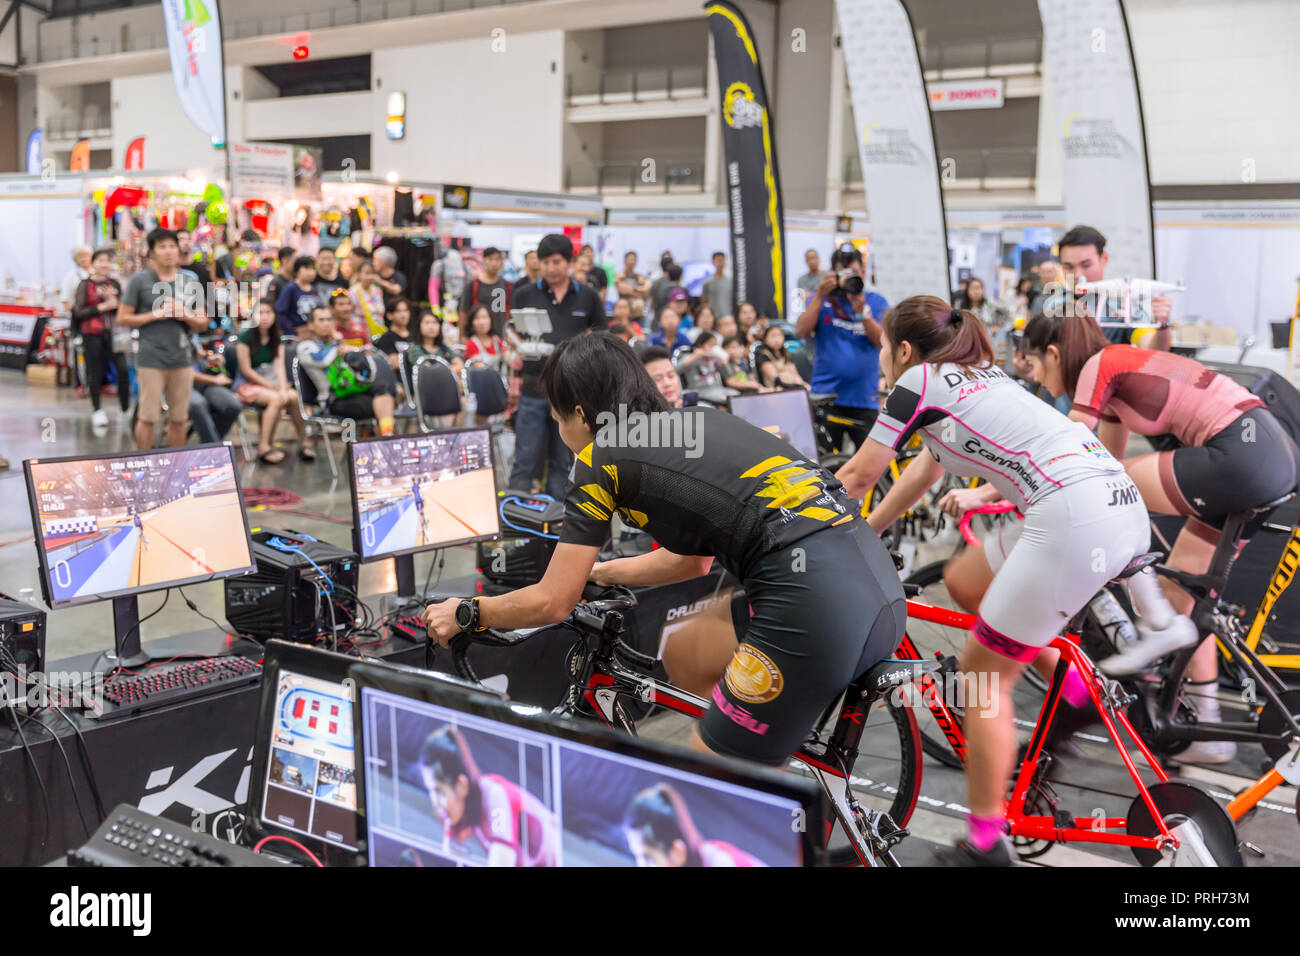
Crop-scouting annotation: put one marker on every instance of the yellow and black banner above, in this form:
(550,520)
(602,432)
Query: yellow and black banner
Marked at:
(749,149)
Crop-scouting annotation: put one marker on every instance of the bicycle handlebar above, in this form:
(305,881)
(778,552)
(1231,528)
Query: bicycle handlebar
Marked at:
(993,508)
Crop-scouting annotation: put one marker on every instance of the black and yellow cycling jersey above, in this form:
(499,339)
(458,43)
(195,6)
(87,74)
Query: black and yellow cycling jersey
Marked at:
(701,482)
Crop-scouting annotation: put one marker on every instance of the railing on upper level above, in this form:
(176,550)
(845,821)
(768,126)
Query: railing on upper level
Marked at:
(635,86)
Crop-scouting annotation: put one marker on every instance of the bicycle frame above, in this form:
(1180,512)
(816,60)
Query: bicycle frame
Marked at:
(605,681)
(1051,828)
(1283,575)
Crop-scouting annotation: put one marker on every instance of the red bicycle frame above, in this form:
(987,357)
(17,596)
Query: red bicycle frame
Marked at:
(1080,829)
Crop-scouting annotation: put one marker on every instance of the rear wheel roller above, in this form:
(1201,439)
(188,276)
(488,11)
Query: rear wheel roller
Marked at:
(1271,721)
(1182,805)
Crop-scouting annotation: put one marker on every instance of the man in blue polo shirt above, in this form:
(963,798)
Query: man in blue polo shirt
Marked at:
(845,328)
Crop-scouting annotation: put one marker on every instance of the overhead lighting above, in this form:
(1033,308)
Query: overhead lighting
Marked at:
(392,177)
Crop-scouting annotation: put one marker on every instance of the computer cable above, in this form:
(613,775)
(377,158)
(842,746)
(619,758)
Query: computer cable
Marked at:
(101,813)
(67,765)
(134,627)
(12,707)
(532,532)
(228,629)
(288,547)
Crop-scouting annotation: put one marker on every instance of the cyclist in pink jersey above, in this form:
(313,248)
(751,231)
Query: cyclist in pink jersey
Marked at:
(1234,456)
(1084,521)
(661,832)
(513,826)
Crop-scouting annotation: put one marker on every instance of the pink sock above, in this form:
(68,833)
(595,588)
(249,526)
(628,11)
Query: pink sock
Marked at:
(984,832)
(1074,690)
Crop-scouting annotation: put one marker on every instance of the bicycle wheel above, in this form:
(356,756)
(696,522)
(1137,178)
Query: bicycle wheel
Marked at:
(937,642)
(886,775)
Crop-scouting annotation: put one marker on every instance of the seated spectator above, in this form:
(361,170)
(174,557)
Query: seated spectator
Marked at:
(625,312)
(260,381)
(348,321)
(397,340)
(368,299)
(747,321)
(704,320)
(298,297)
(621,330)
(428,340)
(480,340)
(213,407)
(670,335)
(680,302)
(704,369)
(317,351)
(726,327)
(328,277)
(739,374)
(659,364)
(773,361)
(390,279)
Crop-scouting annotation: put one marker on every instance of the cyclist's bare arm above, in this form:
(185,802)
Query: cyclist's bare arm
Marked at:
(549,601)
(660,566)
(1114,435)
(861,472)
(917,478)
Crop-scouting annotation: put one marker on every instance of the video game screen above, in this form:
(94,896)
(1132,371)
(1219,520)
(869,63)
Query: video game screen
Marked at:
(448,788)
(785,414)
(424,491)
(111,526)
(311,783)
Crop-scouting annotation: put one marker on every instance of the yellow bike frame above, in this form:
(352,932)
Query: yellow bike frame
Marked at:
(1281,580)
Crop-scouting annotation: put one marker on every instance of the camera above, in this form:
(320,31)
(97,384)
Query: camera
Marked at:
(849,282)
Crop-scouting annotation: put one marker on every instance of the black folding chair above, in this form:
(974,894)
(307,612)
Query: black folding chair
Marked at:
(314,412)
(437,393)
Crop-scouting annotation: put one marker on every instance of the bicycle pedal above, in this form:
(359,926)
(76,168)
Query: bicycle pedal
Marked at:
(1247,845)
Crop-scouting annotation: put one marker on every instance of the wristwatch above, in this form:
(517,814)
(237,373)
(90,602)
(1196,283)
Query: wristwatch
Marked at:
(467,615)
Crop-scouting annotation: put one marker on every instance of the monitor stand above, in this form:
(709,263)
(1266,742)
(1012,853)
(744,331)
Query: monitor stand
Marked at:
(127,650)
(404,568)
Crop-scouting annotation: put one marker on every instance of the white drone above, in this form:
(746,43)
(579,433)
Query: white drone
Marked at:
(1126,290)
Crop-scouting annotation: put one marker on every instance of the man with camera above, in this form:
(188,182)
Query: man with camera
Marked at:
(843,319)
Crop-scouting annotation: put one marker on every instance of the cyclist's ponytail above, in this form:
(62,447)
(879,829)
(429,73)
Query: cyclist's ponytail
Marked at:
(939,333)
(1075,334)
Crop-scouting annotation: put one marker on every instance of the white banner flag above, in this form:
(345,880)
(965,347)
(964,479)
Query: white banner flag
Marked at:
(891,114)
(194,43)
(1104,154)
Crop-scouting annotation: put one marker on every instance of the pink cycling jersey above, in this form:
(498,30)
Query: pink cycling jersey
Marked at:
(1159,393)
(514,818)
(720,853)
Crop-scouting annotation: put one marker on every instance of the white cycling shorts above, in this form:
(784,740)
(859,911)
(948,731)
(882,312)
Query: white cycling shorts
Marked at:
(1047,567)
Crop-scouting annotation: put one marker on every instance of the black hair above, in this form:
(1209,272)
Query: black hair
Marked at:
(103,251)
(654,353)
(1083,236)
(660,816)
(419,321)
(302,262)
(273,333)
(158,235)
(555,243)
(718,253)
(738,339)
(600,373)
(446,755)
(673,272)
(700,340)
(285,253)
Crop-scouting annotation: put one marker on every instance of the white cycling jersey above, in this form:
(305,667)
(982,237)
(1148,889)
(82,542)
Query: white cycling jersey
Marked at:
(978,423)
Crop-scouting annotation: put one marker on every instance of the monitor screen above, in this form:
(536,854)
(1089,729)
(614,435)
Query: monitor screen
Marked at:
(419,492)
(304,776)
(457,779)
(123,524)
(786,414)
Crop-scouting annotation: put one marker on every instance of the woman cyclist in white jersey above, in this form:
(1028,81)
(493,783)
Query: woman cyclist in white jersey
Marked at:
(1084,520)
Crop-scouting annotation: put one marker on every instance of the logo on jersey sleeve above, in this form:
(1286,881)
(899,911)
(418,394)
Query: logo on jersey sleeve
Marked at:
(753,677)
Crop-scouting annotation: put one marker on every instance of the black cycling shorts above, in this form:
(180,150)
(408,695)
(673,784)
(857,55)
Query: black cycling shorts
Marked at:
(360,406)
(823,610)
(1248,464)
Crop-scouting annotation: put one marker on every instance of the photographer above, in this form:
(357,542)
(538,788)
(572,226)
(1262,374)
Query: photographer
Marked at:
(843,319)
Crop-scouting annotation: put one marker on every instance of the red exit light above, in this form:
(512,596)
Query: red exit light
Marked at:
(300,53)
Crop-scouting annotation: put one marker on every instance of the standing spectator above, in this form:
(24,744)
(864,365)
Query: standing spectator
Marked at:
(76,275)
(193,263)
(719,288)
(596,277)
(94,308)
(808,282)
(317,351)
(573,309)
(328,277)
(663,286)
(166,305)
(212,406)
(1084,258)
(351,264)
(451,275)
(478,332)
(387,276)
(532,272)
(368,299)
(670,335)
(283,274)
(992,313)
(845,329)
(488,288)
(1050,287)
(629,282)
(261,381)
(297,299)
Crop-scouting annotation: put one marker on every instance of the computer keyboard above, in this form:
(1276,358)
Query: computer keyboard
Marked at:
(131,837)
(411,626)
(129,693)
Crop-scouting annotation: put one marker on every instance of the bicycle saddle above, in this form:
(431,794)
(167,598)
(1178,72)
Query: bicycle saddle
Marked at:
(894,673)
(1263,509)
(1137,564)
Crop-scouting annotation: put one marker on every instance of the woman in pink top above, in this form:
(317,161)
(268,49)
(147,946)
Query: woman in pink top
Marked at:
(1234,456)
(480,341)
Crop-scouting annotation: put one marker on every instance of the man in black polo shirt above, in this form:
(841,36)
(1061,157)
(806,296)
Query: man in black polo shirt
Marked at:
(573,309)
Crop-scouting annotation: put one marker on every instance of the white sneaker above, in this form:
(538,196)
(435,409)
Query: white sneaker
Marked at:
(99,422)
(1206,751)
(1151,646)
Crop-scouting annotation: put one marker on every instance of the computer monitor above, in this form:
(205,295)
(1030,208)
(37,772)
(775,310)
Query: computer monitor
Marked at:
(451,777)
(117,526)
(414,493)
(787,414)
(303,782)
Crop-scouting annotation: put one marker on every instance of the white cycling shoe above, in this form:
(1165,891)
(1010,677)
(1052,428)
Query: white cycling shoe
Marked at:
(1151,646)
(1205,751)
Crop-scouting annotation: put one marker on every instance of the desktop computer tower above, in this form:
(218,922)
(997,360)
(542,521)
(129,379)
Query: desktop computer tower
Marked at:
(22,634)
(290,595)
